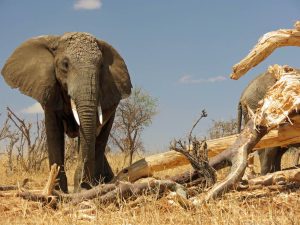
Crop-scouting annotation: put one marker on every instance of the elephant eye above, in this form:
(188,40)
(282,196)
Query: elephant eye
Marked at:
(65,65)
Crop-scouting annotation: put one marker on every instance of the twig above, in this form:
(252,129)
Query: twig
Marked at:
(203,114)
(199,156)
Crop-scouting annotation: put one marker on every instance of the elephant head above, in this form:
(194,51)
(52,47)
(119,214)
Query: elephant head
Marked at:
(75,66)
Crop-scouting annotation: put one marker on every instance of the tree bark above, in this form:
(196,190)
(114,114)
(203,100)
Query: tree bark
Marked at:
(265,46)
(237,154)
(280,177)
(285,135)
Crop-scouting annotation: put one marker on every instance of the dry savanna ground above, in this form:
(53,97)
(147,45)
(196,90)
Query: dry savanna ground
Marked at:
(248,207)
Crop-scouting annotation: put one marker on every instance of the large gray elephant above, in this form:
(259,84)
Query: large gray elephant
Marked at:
(77,79)
(270,158)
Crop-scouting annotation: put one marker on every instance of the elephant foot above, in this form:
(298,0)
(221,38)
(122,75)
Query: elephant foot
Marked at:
(82,181)
(85,186)
(106,175)
(63,182)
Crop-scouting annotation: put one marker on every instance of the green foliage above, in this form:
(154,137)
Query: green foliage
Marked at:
(133,115)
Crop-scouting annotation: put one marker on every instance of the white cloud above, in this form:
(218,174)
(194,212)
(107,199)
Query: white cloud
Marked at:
(188,79)
(87,4)
(33,109)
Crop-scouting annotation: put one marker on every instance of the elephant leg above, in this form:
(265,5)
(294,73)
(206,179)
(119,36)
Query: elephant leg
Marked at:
(56,145)
(297,157)
(267,160)
(103,171)
(278,157)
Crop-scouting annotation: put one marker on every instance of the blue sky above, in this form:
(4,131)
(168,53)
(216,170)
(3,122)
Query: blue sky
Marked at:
(181,52)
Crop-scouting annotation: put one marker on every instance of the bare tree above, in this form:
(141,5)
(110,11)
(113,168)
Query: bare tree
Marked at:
(4,130)
(132,116)
(222,128)
(31,142)
(6,134)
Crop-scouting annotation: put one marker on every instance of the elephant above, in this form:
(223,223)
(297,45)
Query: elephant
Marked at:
(270,158)
(79,81)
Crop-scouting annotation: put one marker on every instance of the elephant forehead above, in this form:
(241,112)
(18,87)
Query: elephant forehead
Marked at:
(81,46)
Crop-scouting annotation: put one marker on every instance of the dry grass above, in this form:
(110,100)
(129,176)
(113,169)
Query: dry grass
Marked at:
(233,208)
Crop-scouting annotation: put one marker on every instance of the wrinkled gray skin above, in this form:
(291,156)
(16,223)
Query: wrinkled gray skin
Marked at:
(74,66)
(270,158)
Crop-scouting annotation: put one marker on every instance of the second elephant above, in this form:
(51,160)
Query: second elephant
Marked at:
(270,158)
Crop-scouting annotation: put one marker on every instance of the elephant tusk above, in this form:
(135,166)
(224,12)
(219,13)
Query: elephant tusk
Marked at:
(100,115)
(75,113)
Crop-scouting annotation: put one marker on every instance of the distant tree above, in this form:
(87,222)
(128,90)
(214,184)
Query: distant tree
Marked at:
(133,115)
(222,128)
(4,130)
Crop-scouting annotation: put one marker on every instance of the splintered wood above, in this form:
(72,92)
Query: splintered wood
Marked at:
(51,180)
(281,99)
(265,46)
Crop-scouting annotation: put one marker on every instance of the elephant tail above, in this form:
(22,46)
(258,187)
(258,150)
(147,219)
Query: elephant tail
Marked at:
(239,118)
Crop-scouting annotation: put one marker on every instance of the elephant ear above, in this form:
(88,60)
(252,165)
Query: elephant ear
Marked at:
(115,81)
(31,68)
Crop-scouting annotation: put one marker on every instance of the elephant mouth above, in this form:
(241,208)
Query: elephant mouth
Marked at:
(99,112)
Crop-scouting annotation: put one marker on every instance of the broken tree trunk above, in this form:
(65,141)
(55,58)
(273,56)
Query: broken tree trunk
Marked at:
(284,135)
(265,46)
(280,101)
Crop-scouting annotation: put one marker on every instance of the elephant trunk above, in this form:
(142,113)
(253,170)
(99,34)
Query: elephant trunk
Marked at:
(239,118)
(86,104)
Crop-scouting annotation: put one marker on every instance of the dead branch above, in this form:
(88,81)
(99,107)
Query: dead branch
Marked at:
(236,155)
(50,201)
(280,177)
(45,196)
(203,114)
(109,193)
(15,187)
(20,124)
(265,46)
(33,146)
(198,159)
(51,182)
(4,131)
(106,193)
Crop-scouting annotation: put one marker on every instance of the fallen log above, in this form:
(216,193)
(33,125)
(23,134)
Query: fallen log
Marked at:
(280,101)
(265,46)
(279,177)
(106,193)
(286,134)
(14,187)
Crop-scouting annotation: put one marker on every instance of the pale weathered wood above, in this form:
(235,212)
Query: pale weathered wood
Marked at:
(285,135)
(47,191)
(280,177)
(147,166)
(265,46)
(277,106)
